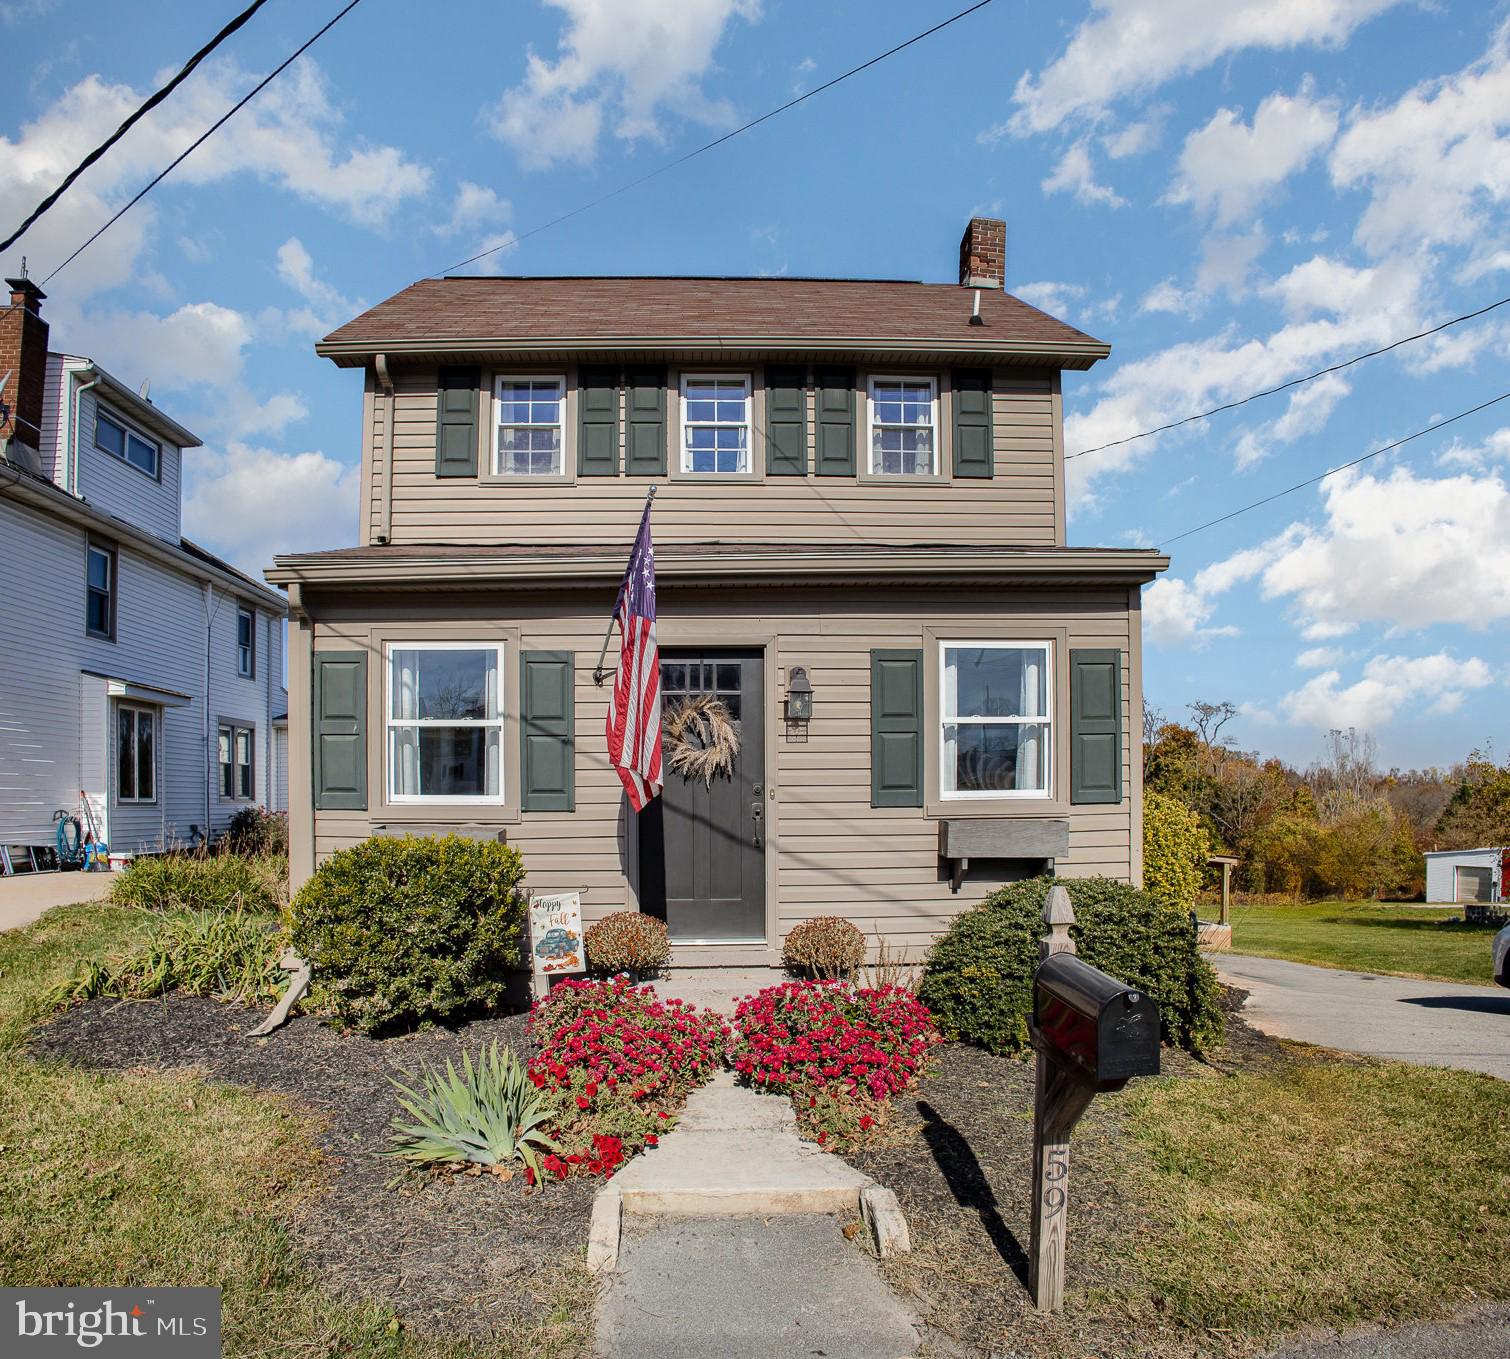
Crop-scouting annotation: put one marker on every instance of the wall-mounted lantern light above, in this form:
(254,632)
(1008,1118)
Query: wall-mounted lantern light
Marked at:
(799,696)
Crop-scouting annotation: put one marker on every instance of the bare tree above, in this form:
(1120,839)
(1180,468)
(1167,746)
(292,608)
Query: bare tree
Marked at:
(1153,722)
(1348,776)
(1208,719)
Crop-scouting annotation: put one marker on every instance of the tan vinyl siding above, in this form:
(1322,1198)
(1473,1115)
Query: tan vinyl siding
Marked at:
(829,851)
(1016,506)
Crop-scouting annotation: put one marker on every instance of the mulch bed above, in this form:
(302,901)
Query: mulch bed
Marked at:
(959,1155)
(470,1256)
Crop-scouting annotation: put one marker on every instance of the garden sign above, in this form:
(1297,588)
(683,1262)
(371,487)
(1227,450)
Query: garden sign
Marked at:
(556,936)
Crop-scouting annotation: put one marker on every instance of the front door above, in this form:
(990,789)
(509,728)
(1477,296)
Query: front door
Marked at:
(702,841)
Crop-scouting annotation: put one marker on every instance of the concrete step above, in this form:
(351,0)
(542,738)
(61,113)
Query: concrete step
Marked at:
(723,1106)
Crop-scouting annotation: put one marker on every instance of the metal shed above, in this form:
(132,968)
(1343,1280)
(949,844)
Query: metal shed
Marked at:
(1467,876)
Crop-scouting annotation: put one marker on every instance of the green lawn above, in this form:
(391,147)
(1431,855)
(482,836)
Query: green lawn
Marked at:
(108,1180)
(1363,936)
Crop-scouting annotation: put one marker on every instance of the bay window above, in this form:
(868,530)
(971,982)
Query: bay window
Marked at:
(445,722)
(995,719)
(716,424)
(903,421)
(530,414)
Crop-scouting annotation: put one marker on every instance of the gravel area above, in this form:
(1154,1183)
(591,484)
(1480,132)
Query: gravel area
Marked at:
(473,1256)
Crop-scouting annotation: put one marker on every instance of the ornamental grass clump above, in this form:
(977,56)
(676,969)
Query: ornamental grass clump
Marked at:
(825,947)
(627,941)
(619,1063)
(841,1053)
(489,1114)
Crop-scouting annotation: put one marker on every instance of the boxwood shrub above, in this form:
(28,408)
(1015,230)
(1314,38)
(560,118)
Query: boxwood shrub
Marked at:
(979,978)
(410,931)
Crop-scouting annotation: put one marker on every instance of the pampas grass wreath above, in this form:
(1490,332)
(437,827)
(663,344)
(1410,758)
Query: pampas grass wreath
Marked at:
(701,738)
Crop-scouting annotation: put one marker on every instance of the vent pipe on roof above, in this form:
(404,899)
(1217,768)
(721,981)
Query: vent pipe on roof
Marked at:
(976,319)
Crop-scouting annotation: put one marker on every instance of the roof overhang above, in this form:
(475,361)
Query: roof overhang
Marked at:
(437,349)
(141,693)
(139,408)
(503,568)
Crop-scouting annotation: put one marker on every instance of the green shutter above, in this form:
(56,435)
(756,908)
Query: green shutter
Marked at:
(973,453)
(546,720)
(645,396)
(340,730)
(896,728)
(598,422)
(1095,726)
(456,422)
(836,422)
(786,422)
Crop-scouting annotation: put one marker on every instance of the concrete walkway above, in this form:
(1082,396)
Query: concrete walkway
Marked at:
(1479,1333)
(1425,1022)
(24,898)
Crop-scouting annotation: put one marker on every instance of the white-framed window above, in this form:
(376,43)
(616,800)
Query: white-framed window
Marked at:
(716,423)
(903,426)
(246,641)
(531,418)
(135,754)
(235,754)
(996,732)
(121,441)
(444,713)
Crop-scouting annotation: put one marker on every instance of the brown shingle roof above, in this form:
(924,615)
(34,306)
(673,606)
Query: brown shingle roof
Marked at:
(462,314)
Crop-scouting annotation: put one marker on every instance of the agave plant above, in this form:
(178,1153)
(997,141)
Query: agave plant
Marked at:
(489,1114)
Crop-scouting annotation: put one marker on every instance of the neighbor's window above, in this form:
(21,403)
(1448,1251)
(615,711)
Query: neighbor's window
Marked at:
(246,641)
(903,419)
(445,722)
(715,424)
(99,592)
(995,719)
(530,420)
(126,444)
(236,761)
(135,754)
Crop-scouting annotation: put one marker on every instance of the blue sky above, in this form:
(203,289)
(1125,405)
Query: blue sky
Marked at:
(1232,194)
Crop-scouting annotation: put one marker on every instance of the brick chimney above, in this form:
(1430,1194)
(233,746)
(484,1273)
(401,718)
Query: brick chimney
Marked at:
(23,354)
(983,254)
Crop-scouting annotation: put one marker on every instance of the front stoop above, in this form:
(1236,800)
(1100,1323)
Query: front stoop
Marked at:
(737,1153)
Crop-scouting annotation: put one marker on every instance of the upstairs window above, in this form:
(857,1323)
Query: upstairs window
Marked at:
(99,590)
(716,424)
(530,418)
(995,720)
(903,424)
(126,444)
(246,642)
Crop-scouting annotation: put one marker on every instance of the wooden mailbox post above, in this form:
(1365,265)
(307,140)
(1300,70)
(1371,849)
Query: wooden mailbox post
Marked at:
(1090,1033)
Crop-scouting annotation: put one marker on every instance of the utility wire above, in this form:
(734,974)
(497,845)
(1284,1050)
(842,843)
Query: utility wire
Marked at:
(1293,382)
(131,122)
(1332,471)
(207,134)
(717,141)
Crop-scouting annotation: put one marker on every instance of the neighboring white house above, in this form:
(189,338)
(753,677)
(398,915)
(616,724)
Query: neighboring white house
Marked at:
(1470,876)
(135,667)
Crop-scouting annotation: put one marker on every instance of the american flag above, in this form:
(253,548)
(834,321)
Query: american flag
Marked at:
(634,719)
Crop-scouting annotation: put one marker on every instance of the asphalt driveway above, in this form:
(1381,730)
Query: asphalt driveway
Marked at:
(1426,1022)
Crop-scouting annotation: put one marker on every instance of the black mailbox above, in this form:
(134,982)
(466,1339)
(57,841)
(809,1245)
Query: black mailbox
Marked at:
(1105,1030)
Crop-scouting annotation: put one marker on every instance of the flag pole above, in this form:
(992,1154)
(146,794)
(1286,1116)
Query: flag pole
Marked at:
(599,674)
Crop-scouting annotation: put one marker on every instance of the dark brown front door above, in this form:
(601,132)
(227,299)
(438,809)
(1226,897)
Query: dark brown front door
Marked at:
(702,843)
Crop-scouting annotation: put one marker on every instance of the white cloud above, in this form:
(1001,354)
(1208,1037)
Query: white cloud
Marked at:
(621,64)
(1494,449)
(1430,684)
(1435,160)
(290,137)
(1131,46)
(296,267)
(1167,296)
(1177,614)
(199,345)
(1308,410)
(476,206)
(248,504)
(1227,168)
(1075,174)
(1316,657)
(1133,139)
(1058,299)
(1228,259)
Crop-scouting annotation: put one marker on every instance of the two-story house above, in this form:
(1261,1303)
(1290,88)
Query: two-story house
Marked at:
(860,548)
(137,670)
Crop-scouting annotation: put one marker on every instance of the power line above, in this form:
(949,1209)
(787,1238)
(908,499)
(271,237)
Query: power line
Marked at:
(131,122)
(717,141)
(1332,471)
(207,134)
(1293,382)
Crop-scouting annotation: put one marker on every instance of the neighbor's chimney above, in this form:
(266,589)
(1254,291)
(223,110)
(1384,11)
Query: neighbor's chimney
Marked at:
(23,354)
(983,254)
